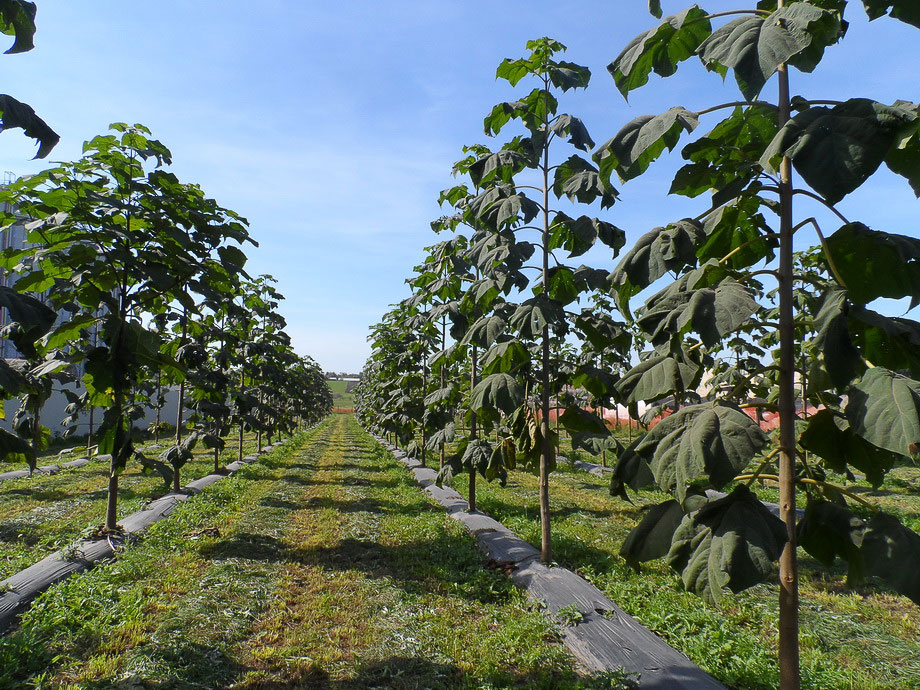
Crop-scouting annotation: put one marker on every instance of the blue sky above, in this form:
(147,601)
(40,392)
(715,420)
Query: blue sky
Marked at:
(333,126)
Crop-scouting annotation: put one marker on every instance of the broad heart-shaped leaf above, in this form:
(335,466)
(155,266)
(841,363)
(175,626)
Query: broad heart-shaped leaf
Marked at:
(575,419)
(496,393)
(642,140)
(884,409)
(595,444)
(476,456)
(578,180)
(17,115)
(12,379)
(712,441)
(737,230)
(712,313)
(830,437)
(33,319)
(875,264)
(485,331)
(668,248)
(534,314)
(568,75)
(501,205)
(658,376)
(574,130)
(501,165)
(726,157)
(599,382)
(754,46)
(892,552)
(731,542)
(505,357)
(836,149)
(577,235)
(660,49)
(904,158)
(890,342)
(651,538)
(906,10)
(842,361)
(828,530)
(602,332)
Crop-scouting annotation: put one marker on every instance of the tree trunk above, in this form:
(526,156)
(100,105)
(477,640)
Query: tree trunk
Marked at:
(473,431)
(788,567)
(443,347)
(546,551)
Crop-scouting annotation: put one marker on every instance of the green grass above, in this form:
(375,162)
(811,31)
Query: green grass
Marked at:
(321,566)
(43,513)
(341,393)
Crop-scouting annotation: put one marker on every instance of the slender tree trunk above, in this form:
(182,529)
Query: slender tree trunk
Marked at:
(788,567)
(473,431)
(156,428)
(424,389)
(546,550)
(111,508)
(216,460)
(443,347)
(177,484)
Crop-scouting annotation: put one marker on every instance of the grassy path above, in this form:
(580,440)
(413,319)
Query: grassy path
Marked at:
(322,566)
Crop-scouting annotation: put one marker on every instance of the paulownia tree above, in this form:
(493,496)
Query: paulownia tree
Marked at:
(737,291)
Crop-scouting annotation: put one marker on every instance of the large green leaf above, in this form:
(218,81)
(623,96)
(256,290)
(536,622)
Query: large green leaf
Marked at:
(17,115)
(505,357)
(573,130)
(890,342)
(497,393)
(828,531)
(755,46)
(575,419)
(713,313)
(485,331)
(651,538)
(631,470)
(906,10)
(892,552)
(658,376)
(578,235)
(842,361)
(729,543)
(724,161)
(642,140)
(660,49)
(668,248)
(711,441)
(14,448)
(33,319)
(875,264)
(534,314)
(829,436)
(836,149)
(580,181)
(904,158)
(737,230)
(884,409)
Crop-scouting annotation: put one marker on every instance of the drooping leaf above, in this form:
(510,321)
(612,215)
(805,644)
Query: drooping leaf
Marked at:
(906,10)
(485,331)
(14,448)
(496,393)
(660,49)
(841,359)
(836,149)
(631,470)
(875,264)
(890,342)
(829,436)
(884,409)
(904,158)
(725,160)
(729,543)
(755,46)
(737,230)
(534,314)
(668,248)
(574,130)
(577,235)
(658,376)
(892,552)
(711,441)
(17,115)
(651,538)
(828,531)
(575,419)
(642,140)
(32,317)
(505,357)
(579,181)
(17,18)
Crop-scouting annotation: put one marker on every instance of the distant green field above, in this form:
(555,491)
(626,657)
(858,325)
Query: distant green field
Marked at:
(342,393)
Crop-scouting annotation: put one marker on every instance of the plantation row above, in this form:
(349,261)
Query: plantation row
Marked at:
(754,307)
